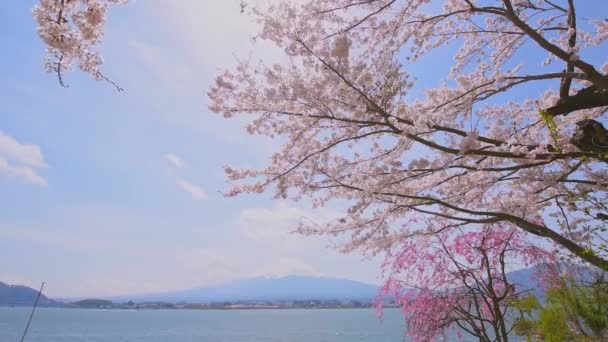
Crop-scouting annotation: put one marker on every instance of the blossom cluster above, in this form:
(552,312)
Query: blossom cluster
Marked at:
(458,278)
(71,29)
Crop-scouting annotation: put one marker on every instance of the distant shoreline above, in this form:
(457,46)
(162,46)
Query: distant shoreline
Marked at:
(269,304)
(240,308)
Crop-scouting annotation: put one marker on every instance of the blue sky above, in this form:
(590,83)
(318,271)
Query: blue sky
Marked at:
(106,193)
(93,205)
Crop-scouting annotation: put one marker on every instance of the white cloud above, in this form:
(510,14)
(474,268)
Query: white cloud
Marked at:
(175,161)
(197,23)
(276,251)
(275,225)
(194,190)
(21,160)
(20,153)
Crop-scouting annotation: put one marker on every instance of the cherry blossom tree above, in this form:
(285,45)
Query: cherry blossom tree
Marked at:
(469,151)
(71,29)
(458,280)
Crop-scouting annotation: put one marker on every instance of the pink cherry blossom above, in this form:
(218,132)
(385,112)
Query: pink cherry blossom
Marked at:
(358,129)
(71,29)
(457,280)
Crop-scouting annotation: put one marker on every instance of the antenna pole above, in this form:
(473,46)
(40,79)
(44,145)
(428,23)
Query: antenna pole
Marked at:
(32,313)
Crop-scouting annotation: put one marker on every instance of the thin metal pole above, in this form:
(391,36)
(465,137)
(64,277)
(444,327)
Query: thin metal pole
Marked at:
(32,313)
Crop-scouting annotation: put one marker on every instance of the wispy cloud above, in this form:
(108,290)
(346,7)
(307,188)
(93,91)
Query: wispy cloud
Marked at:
(175,161)
(19,160)
(193,189)
(179,163)
(274,226)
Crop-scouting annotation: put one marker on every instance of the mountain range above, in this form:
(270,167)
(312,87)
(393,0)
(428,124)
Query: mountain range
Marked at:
(286,288)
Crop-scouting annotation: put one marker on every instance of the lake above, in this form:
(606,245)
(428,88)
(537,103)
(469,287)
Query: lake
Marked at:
(71,325)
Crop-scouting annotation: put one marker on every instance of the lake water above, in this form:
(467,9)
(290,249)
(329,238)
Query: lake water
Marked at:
(71,325)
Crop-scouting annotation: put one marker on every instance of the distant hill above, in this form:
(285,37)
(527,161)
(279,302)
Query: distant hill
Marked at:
(91,303)
(21,295)
(298,288)
(527,279)
(293,288)
(268,289)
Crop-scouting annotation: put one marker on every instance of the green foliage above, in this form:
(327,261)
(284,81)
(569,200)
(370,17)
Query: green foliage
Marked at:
(549,121)
(588,252)
(552,325)
(526,304)
(595,311)
(525,324)
(526,327)
(572,312)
